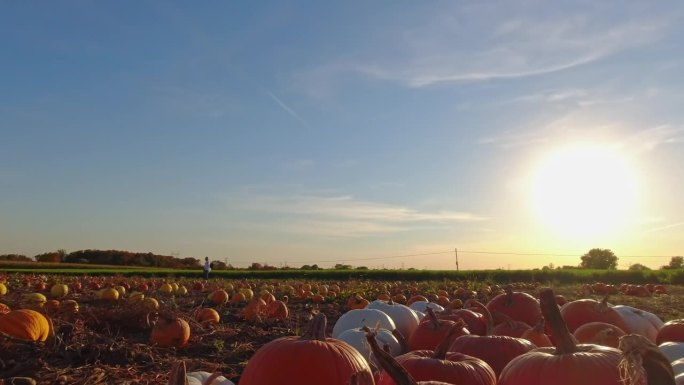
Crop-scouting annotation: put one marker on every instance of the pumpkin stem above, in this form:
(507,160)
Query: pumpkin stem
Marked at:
(434,321)
(389,364)
(508,301)
(603,306)
(402,340)
(565,343)
(643,362)
(316,330)
(443,348)
(482,309)
(178,374)
(210,379)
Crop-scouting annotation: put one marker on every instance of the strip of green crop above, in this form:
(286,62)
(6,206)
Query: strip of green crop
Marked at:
(490,276)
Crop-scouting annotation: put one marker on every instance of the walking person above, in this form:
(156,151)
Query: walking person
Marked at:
(207,268)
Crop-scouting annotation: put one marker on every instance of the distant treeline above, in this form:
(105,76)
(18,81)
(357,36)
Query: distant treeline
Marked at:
(110,257)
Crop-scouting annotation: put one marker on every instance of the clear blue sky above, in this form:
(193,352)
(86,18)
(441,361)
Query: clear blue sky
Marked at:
(315,132)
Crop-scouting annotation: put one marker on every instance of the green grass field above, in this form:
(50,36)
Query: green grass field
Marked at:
(493,276)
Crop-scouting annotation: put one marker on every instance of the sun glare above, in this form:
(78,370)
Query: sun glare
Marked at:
(584,192)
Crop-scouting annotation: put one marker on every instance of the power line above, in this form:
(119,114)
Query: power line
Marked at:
(462,251)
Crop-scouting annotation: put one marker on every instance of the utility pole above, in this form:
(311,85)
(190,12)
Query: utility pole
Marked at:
(456,253)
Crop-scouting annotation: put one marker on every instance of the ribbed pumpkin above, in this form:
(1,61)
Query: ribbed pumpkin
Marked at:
(391,367)
(326,360)
(582,311)
(25,325)
(599,333)
(568,363)
(497,351)
(431,331)
(170,332)
(517,305)
(672,331)
(439,365)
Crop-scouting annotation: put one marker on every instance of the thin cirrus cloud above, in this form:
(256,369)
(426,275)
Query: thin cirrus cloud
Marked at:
(285,107)
(451,48)
(650,138)
(342,215)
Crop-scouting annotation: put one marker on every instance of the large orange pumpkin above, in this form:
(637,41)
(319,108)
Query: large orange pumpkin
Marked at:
(25,325)
(170,332)
(568,363)
(327,360)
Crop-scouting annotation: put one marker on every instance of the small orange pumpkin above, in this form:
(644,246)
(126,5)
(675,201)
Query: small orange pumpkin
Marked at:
(170,332)
(208,316)
(218,297)
(256,309)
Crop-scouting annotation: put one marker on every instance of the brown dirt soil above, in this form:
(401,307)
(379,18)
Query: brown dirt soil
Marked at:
(108,343)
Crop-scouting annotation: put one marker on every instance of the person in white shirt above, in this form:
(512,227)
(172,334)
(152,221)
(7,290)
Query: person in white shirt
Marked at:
(207,268)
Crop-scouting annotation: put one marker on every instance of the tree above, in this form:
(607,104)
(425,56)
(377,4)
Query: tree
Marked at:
(675,263)
(15,257)
(599,259)
(638,266)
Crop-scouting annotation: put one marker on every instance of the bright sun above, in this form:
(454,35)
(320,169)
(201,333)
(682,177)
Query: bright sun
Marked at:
(584,192)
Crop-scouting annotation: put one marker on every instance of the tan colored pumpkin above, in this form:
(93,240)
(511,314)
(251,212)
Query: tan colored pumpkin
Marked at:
(25,325)
(59,290)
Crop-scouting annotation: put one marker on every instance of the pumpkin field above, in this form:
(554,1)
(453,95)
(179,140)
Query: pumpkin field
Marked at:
(69,329)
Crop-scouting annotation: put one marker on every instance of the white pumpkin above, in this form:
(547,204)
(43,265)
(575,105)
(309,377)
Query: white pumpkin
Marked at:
(358,318)
(640,321)
(200,378)
(405,319)
(678,366)
(357,339)
(672,350)
(422,305)
(420,315)
(679,379)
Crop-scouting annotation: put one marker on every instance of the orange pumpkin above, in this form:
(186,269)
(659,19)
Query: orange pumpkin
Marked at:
(356,302)
(170,332)
(277,310)
(25,325)
(218,297)
(4,309)
(329,361)
(255,310)
(208,316)
(237,298)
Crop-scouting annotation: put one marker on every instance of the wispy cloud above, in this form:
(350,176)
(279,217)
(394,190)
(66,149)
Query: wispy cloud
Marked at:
(342,215)
(514,139)
(509,40)
(285,107)
(651,138)
(661,228)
